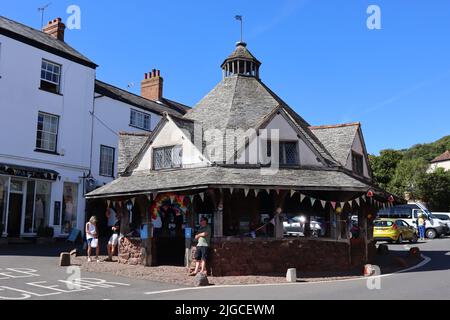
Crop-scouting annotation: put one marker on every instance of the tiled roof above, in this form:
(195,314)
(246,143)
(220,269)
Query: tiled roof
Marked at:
(337,139)
(41,40)
(173,108)
(443,157)
(129,145)
(186,179)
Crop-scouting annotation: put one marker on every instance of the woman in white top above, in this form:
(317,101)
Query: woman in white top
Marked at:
(92,238)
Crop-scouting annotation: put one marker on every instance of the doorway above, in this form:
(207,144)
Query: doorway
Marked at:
(15,214)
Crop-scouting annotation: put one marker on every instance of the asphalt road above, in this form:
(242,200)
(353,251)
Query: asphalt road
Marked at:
(27,275)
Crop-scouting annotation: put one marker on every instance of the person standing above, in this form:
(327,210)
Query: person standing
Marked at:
(92,238)
(203,237)
(113,242)
(421,224)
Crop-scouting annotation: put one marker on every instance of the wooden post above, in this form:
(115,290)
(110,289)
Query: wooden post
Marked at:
(146,221)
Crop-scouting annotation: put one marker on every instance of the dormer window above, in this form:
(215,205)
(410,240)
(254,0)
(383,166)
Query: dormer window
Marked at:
(288,152)
(167,157)
(358,163)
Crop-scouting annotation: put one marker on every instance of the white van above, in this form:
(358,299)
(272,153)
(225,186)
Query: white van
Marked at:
(444,216)
(410,213)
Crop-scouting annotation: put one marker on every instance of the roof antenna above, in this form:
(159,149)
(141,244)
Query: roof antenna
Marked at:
(42,9)
(239,18)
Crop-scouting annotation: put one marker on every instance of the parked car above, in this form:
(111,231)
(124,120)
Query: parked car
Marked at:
(394,230)
(411,212)
(295,226)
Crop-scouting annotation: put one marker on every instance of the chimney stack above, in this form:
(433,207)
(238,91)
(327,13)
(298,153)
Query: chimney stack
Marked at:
(152,86)
(55,28)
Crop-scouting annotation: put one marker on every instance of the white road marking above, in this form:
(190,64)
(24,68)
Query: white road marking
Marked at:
(426,261)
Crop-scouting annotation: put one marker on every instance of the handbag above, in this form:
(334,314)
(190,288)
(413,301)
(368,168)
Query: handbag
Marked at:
(94,243)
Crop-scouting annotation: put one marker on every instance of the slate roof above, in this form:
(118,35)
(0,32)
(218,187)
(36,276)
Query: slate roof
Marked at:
(443,157)
(242,53)
(41,40)
(173,108)
(128,144)
(338,139)
(244,102)
(198,178)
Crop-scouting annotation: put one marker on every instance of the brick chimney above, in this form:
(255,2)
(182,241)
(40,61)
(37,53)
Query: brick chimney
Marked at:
(152,86)
(55,28)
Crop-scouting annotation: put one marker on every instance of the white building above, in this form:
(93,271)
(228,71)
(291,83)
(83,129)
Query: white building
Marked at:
(442,161)
(59,128)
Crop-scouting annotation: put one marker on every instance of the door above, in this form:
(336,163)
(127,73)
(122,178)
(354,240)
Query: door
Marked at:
(15,214)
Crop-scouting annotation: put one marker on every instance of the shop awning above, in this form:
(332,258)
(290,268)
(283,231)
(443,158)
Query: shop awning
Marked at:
(28,172)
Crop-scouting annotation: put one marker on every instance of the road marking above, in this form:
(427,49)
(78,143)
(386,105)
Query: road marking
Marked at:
(420,265)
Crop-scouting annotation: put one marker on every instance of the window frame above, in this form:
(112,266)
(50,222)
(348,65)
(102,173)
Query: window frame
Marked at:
(143,114)
(359,157)
(52,73)
(103,174)
(40,149)
(164,150)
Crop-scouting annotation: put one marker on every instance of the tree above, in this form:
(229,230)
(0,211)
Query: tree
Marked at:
(384,166)
(406,177)
(434,189)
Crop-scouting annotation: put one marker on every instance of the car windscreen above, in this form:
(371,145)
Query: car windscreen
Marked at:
(383,224)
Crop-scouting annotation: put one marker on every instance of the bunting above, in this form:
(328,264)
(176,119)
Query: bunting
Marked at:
(323,203)
(202,196)
(292,193)
(246,191)
(333,204)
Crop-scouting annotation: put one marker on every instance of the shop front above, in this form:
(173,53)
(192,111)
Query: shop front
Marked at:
(25,200)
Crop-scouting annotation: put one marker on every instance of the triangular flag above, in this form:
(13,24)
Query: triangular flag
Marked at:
(149,197)
(313,201)
(272,221)
(202,196)
(191,198)
(358,201)
(268,191)
(278,191)
(246,191)
(231,190)
(257,191)
(333,204)
(350,204)
(108,202)
(302,197)
(292,192)
(133,200)
(364,198)
(172,199)
(114,204)
(324,203)
(342,205)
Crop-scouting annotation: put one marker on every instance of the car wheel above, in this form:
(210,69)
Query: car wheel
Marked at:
(400,239)
(431,233)
(414,238)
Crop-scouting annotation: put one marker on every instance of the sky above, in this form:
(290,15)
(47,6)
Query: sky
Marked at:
(319,56)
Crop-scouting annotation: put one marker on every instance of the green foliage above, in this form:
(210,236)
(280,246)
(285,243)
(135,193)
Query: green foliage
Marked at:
(428,151)
(406,171)
(407,175)
(384,166)
(434,188)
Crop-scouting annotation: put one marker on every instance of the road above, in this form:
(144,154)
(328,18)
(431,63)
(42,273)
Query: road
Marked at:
(26,276)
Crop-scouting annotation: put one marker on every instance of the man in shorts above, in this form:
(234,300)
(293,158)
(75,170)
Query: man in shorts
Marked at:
(203,237)
(114,240)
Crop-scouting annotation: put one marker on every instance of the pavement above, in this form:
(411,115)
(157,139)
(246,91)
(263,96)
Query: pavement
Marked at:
(30,274)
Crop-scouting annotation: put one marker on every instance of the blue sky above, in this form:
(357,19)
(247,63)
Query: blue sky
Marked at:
(318,55)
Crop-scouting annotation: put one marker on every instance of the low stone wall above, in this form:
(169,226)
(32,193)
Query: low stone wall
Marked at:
(130,251)
(258,257)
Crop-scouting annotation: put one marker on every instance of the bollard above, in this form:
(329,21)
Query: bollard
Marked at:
(64,259)
(291,275)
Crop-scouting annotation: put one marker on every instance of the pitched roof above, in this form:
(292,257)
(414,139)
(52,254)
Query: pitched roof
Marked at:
(443,157)
(244,102)
(188,179)
(41,40)
(337,139)
(129,146)
(173,108)
(241,52)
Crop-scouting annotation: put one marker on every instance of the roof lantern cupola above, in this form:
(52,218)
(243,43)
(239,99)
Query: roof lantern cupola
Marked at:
(241,62)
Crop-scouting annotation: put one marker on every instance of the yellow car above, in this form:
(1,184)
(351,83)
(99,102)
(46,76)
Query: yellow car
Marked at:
(394,230)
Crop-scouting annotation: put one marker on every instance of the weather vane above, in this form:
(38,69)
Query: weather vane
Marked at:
(239,18)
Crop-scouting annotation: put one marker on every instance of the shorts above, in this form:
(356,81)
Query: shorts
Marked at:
(114,240)
(201,253)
